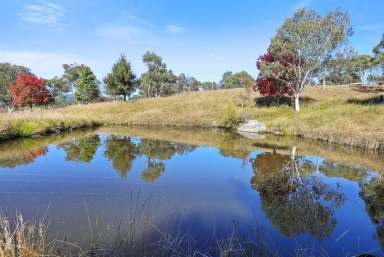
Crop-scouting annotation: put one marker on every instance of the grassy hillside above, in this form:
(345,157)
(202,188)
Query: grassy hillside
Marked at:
(345,115)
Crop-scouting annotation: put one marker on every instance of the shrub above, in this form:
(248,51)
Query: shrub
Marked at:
(230,118)
(22,129)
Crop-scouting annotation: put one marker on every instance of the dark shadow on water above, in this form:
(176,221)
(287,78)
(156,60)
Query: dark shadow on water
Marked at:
(267,101)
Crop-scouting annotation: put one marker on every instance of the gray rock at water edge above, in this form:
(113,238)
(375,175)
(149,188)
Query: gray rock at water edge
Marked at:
(252,126)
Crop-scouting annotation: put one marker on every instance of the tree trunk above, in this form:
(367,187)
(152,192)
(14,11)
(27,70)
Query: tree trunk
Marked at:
(293,153)
(297,103)
(125,97)
(324,83)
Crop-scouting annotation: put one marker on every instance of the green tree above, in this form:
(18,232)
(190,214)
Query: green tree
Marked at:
(236,80)
(8,74)
(182,83)
(362,64)
(193,84)
(340,69)
(86,88)
(187,84)
(157,80)
(378,52)
(122,80)
(72,73)
(57,88)
(303,46)
(208,85)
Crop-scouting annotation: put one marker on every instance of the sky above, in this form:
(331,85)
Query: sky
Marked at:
(201,38)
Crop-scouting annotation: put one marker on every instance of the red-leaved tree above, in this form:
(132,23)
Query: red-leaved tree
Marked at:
(29,90)
(268,85)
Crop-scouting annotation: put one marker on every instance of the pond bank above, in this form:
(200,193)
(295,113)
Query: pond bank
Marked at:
(337,115)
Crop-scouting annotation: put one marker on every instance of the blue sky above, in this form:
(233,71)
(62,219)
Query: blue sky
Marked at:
(202,38)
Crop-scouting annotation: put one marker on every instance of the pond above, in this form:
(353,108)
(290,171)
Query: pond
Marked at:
(131,190)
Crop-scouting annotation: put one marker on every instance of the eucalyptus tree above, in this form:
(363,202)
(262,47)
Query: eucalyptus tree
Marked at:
(302,46)
(121,80)
(72,73)
(157,80)
(236,80)
(340,69)
(208,85)
(57,88)
(378,52)
(362,64)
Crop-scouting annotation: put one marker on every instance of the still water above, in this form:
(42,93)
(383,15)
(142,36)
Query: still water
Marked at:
(210,188)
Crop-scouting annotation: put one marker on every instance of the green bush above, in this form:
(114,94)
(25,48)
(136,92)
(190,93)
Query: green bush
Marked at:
(230,118)
(23,129)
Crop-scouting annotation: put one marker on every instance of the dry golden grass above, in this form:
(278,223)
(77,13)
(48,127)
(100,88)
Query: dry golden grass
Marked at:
(26,239)
(327,114)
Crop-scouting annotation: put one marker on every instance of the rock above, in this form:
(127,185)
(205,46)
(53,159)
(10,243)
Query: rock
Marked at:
(252,126)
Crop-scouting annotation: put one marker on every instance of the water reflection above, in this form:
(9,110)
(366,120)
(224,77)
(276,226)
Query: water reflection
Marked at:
(295,199)
(121,151)
(296,193)
(81,149)
(373,196)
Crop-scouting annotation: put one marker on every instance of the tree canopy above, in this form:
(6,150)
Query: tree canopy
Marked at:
(121,80)
(29,90)
(157,80)
(302,46)
(8,74)
(236,80)
(378,52)
(86,88)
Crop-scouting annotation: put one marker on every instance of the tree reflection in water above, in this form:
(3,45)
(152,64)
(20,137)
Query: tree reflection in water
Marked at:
(157,152)
(82,149)
(153,171)
(295,199)
(373,195)
(121,151)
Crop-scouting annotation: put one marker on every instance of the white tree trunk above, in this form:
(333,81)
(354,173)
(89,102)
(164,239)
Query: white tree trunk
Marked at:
(293,153)
(297,103)
(324,83)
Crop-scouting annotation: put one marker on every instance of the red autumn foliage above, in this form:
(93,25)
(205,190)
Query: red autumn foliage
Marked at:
(271,87)
(268,86)
(29,90)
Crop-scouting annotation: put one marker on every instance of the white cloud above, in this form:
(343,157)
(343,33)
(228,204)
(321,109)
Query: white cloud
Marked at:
(174,29)
(120,32)
(43,13)
(43,64)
